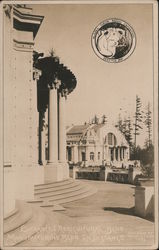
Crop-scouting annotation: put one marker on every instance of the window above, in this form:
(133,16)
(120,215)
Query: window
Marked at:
(69,154)
(91,156)
(83,156)
(98,155)
(110,138)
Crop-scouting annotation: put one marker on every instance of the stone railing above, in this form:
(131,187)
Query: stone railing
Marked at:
(144,201)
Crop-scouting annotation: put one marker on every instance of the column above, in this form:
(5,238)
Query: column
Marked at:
(43,138)
(114,154)
(118,153)
(62,127)
(75,153)
(87,155)
(53,125)
(36,132)
(40,138)
(109,153)
(123,153)
(106,156)
(95,154)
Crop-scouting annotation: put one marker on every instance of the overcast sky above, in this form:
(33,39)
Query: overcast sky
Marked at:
(102,88)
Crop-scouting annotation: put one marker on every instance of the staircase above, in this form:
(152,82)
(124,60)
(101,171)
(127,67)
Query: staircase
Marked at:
(24,222)
(62,192)
(24,226)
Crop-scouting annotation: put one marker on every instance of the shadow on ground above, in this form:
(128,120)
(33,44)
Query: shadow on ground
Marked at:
(126,211)
(121,210)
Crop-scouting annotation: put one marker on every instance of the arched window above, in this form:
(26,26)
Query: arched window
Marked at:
(111,139)
(92,156)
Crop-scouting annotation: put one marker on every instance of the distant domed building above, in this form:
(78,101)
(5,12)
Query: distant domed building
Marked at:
(96,145)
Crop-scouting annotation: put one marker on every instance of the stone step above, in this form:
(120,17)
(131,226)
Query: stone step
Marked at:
(64,193)
(25,225)
(46,203)
(75,198)
(18,219)
(27,230)
(12,213)
(53,189)
(57,199)
(53,184)
(58,208)
(50,203)
(46,235)
(61,192)
(34,201)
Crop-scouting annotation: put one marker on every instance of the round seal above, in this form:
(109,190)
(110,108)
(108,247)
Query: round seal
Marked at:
(113,40)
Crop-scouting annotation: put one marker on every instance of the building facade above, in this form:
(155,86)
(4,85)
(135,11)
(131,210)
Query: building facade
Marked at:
(33,86)
(96,145)
(20,159)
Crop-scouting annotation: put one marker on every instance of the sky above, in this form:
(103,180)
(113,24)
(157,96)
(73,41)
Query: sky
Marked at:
(102,87)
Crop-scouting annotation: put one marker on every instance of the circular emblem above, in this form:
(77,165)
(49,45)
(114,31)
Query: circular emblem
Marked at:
(113,40)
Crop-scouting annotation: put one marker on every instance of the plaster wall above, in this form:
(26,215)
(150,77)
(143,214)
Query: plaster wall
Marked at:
(21,170)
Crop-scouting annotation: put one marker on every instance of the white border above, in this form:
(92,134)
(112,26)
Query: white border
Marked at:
(155,72)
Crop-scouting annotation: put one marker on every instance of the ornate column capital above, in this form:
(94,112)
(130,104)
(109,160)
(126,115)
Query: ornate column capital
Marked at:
(36,74)
(64,93)
(55,84)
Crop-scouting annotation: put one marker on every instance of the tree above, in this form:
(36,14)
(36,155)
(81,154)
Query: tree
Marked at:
(138,118)
(148,123)
(119,124)
(146,157)
(128,131)
(147,160)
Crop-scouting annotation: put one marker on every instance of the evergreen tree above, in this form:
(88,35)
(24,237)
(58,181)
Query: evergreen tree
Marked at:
(124,127)
(148,123)
(128,131)
(138,119)
(119,124)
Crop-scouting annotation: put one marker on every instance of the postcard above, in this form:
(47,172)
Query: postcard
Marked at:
(79,116)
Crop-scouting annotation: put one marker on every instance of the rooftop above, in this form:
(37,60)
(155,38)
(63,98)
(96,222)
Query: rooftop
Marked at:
(78,129)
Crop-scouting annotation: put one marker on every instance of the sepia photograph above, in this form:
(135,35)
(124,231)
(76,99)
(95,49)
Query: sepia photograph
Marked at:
(79,117)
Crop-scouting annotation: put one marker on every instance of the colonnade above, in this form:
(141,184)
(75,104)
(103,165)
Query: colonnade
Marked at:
(108,153)
(55,83)
(118,153)
(56,127)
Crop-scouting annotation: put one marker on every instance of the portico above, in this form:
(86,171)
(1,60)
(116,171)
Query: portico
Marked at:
(54,85)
